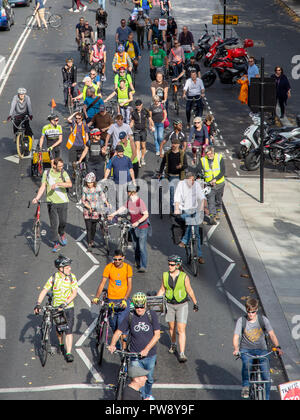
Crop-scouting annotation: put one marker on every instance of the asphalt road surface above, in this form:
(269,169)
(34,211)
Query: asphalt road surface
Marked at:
(211,371)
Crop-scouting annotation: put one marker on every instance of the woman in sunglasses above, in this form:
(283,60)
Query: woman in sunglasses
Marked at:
(177,289)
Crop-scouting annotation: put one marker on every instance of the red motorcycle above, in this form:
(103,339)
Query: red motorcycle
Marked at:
(229,53)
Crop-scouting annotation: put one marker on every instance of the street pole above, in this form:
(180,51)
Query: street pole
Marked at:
(224,24)
(262,115)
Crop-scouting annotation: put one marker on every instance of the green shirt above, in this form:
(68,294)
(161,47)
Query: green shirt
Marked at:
(127,78)
(51,133)
(63,288)
(158,58)
(59,195)
(128,151)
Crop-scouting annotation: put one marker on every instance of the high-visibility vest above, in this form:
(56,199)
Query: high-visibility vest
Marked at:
(122,61)
(179,293)
(98,54)
(72,136)
(149,3)
(213,172)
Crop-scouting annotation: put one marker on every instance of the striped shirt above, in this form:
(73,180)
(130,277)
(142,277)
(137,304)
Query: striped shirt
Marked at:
(63,288)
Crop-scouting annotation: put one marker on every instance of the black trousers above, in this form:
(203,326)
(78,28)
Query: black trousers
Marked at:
(58,219)
(91,225)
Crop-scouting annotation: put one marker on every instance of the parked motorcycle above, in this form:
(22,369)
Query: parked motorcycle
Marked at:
(231,53)
(278,149)
(229,71)
(252,135)
(203,44)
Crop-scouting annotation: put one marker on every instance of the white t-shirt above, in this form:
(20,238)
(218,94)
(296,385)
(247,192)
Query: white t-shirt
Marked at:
(189,197)
(193,88)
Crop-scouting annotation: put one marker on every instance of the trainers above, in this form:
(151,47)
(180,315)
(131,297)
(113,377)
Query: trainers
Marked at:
(69,358)
(245,392)
(76,11)
(63,240)
(143,162)
(149,398)
(201,260)
(84,8)
(56,247)
(212,220)
(172,349)
(71,10)
(182,358)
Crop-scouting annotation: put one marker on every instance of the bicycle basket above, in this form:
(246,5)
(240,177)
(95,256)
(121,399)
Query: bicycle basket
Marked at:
(60,320)
(157,304)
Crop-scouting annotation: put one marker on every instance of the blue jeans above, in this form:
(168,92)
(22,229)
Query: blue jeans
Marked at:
(188,233)
(147,363)
(117,317)
(158,135)
(101,3)
(264,366)
(173,186)
(139,237)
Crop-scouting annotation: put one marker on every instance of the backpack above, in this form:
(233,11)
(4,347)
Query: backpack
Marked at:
(62,177)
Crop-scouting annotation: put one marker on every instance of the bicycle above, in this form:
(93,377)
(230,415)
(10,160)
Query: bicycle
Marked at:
(125,225)
(79,175)
(176,85)
(53,20)
(104,227)
(257,389)
(123,371)
(85,54)
(50,315)
(23,142)
(106,310)
(37,239)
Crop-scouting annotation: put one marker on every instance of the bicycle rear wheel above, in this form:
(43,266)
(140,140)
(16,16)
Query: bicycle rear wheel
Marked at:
(120,388)
(70,104)
(194,259)
(78,187)
(20,145)
(160,202)
(55,21)
(102,341)
(37,238)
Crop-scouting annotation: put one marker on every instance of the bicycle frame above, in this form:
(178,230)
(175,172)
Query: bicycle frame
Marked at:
(123,371)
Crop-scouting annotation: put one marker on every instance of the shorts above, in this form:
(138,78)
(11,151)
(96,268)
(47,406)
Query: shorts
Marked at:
(140,136)
(70,319)
(177,312)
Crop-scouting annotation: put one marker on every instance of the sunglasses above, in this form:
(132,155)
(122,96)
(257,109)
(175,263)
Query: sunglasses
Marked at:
(117,259)
(139,306)
(251,312)
(172,264)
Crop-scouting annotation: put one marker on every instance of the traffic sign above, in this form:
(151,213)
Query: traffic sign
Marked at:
(230,20)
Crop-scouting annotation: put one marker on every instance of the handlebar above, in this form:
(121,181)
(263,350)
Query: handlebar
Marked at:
(274,350)
(128,354)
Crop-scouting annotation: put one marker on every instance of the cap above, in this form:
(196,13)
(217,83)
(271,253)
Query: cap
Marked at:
(138,102)
(122,135)
(136,371)
(119,148)
(100,41)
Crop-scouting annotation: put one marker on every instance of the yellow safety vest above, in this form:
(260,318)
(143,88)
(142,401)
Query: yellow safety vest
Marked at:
(213,172)
(122,61)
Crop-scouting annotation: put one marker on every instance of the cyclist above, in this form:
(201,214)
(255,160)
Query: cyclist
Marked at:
(174,163)
(189,206)
(119,277)
(95,161)
(92,198)
(177,289)
(79,136)
(69,74)
(123,75)
(165,7)
(52,132)
(88,83)
(156,35)
(79,29)
(212,165)
(39,12)
(63,285)
(176,58)
(176,134)
(141,22)
(125,97)
(132,48)
(114,131)
(103,121)
(193,91)
(171,33)
(101,20)
(199,136)
(139,216)
(121,59)
(98,57)
(144,5)
(144,334)
(249,339)
(160,87)
(91,104)
(21,107)
(130,151)
(139,119)
(186,40)
(122,33)
(158,60)
(55,182)
(87,36)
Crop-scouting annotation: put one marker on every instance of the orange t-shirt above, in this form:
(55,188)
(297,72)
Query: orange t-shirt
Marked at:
(118,280)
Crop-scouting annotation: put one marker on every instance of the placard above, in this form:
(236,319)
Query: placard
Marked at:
(163,24)
(290,391)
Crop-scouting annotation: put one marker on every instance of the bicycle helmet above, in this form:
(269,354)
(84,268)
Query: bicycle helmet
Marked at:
(175,258)
(52,117)
(121,48)
(90,177)
(95,132)
(177,122)
(100,42)
(22,91)
(62,261)
(139,299)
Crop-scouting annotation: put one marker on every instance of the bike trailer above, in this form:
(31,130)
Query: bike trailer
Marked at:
(34,169)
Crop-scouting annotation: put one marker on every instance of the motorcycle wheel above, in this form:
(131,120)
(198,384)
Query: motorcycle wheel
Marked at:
(206,62)
(252,161)
(208,79)
(244,151)
(200,55)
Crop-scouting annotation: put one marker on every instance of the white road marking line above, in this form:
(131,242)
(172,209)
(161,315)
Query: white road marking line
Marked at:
(104,386)
(221,254)
(228,272)
(95,261)
(87,275)
(96,375)
(87,333)
(84,297)
(81,236)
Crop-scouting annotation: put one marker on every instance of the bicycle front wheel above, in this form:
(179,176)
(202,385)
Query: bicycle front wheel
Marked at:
(120,388)
(55,21)
(44,350)
(20,145)
(36,238)
(102,341)
(30,22)
(194,259)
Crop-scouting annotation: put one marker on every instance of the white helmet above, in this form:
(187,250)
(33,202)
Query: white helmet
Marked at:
(22,91)
(90,177)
